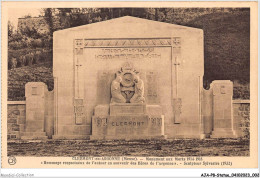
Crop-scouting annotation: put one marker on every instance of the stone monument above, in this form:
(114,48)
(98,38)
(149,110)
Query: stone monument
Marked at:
(127,117)
(131,78)
(36,94)
(157,67)
(222,111)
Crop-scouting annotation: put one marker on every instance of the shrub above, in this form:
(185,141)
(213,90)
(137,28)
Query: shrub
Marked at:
(13,63)
(18,77)
(15,45)
(21,61)
(29,56)
(241,91)
(36,43)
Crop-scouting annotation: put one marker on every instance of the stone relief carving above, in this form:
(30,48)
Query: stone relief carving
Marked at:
(79,110)
(139,91)
(117,97)
(127,86)
(177,110)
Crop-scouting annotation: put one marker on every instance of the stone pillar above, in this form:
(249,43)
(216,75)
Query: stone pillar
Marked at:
(222,109)
(49,114)
(207,111)
(35,93)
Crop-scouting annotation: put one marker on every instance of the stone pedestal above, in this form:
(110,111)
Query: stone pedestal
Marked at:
(126,121)
(127,109)
(222,109)
(35,93)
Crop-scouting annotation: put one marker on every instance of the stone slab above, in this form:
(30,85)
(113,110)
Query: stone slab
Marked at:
(127,127)
(74,130)
(101,110)
(34,126)
(223,133)
(34,137)
(222,123)
(184,131)
(154,110)
(33,134)
(130,137)
(71,137)
(127,109)
(199,136)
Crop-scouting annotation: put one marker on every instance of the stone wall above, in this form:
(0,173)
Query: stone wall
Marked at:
(15,119)
(241,117)
(33,118)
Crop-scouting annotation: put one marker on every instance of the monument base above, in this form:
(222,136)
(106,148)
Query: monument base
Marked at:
(127,109)
(111,137)
(34,136)
(183,131)
(73,132)
(223,133)
(71,137)
(126,121)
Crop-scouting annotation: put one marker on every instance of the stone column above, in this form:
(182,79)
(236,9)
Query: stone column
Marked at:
(207,111)
(222,109)
(35,93)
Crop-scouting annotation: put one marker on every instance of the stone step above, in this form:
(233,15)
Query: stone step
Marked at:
(132,137)
(33,133)
(71,137)
(222,130)
(34,137)
(223,134)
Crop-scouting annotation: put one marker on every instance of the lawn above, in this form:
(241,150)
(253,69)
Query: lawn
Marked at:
(145,148)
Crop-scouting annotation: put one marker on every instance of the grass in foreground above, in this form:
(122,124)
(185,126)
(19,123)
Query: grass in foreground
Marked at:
(145,148)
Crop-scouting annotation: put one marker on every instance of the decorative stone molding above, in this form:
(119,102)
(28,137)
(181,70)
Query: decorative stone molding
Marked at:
(128,42)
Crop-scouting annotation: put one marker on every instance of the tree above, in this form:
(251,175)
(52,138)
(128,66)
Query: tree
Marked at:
(30,32)
(48,14)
